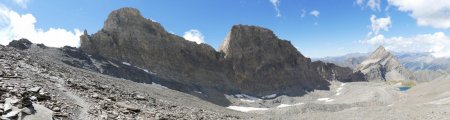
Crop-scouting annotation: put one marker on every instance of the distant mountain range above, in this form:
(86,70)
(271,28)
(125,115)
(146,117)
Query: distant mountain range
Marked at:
(424,66)
(411,61)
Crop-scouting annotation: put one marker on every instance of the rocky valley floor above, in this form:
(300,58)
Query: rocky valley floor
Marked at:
(36,84)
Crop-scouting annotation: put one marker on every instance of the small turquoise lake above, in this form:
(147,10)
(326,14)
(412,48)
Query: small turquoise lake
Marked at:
(404,88)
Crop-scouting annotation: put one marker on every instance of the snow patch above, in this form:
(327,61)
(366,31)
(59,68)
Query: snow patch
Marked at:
(338,91)
(288,105)
(269,96)
(245,109)
(147,71)
(198,92)
(325,99)
(125,63)
(246,98)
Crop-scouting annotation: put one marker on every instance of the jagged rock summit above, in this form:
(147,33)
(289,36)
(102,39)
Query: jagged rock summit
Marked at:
(382,65)
(263,63)
(183,65)
(252,60)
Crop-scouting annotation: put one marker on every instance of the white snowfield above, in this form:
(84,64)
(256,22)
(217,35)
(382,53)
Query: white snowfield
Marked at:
(325,99)
(245,109)
(246,98)
(125,63)
(248,109)
(338,91)
(288,105)
(270,96)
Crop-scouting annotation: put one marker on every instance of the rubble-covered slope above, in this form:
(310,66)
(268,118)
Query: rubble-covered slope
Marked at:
(38,76)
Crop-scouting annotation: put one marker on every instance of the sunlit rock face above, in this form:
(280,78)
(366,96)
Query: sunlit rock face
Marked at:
(381,65)
(251,60)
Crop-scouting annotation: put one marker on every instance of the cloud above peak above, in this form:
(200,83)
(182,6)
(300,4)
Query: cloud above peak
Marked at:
(378,24)
(438,44)
(14,26)
(374,5)
(434,13)
(194,35)
(276,4)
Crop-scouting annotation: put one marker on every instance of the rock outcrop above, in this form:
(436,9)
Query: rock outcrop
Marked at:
(131,38)
(382,65)
(252,60)
(20,44)
(262,63)
(330,71)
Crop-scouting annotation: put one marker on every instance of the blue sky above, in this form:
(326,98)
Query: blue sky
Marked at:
(340,27)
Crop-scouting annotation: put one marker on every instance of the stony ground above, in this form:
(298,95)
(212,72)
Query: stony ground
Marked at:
(359,101)
(34,84)
(29,81)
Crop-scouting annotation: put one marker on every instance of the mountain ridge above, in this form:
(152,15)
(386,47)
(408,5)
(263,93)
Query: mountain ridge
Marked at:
(252,60)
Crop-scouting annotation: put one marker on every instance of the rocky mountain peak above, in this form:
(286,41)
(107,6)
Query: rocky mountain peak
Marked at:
(382,65)
(381,52)
(252,60)
(247,38)
(124,18)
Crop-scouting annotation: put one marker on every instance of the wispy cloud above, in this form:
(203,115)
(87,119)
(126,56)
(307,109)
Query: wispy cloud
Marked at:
(15,26)
(276,4)
(194,35)
(379,24)
(315,13)
(303,13)
(374,5)
(22,3)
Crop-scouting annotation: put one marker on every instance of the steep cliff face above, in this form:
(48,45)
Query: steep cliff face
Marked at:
(264,64)
(129,37)
(252,60)
(330,71)
(382,65)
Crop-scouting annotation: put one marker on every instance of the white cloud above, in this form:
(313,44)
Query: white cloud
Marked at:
(379,24)
(276,4)
(438,44)
(22,3)
(194,35)
(374,5)
(360,2)
(434,13)
(315,13)
(14,26)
